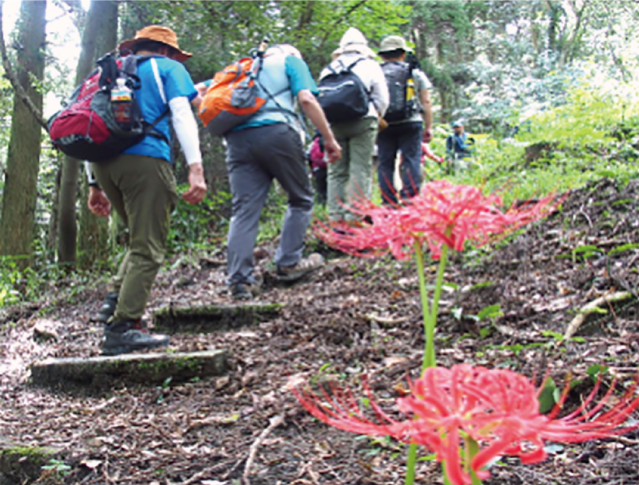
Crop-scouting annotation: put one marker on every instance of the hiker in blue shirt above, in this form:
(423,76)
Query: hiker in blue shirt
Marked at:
(270,146)
(141,187)
(458,144)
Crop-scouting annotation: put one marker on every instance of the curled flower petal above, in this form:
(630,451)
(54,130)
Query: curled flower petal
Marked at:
(497,408)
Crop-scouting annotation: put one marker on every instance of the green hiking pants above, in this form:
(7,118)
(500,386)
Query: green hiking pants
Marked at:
(351,176)
(142,191)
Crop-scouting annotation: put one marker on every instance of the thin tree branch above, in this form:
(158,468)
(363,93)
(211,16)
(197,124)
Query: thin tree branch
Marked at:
(74,9)
(274,422)
(341,19)
(17,87)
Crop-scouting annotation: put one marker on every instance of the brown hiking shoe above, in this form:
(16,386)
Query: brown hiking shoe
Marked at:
(303,267)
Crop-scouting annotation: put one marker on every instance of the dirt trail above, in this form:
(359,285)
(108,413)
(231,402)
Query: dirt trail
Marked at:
(353,317)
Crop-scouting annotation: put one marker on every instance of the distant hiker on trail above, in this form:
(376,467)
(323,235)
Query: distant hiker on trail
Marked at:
(409,119)
(458,146)
(140,185)
(267,147)
(354,117)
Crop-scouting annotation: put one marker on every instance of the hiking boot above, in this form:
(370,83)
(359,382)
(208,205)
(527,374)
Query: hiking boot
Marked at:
(244,291)
(127,336)
(303,267)
(107,309)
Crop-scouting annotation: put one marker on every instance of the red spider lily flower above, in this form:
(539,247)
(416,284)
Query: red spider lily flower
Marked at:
(442,214)
(496,408)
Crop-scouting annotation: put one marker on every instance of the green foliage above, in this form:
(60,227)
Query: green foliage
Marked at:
(272,214)
(57,468)
(198,226)
(220,32)
(549,396)
(562,147)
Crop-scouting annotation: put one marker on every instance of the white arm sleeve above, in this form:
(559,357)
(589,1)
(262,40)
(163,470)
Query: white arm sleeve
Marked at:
(186,129)
(91,180)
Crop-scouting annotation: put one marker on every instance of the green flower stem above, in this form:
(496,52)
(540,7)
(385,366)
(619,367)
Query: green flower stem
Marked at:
(430,320)
(472,448)
(428,332)
(410,464)
(429,358)
(419,257)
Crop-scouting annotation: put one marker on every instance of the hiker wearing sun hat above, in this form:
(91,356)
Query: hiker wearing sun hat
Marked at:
(409,119)
(351,176)
(140,185)
(156,33)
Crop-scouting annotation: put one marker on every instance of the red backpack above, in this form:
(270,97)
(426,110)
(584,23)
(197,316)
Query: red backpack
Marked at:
(87,127)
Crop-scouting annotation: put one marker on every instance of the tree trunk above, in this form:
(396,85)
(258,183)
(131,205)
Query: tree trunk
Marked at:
(93,230)
(19,199)
(67,229)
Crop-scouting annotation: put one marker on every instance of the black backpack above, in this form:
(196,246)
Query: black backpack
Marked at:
(401,89)
(87,129)
(342,94)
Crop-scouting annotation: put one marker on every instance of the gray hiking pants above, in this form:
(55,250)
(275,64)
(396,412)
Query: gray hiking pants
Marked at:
(254,157)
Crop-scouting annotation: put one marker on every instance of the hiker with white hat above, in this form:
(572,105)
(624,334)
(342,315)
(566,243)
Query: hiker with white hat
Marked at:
(351,176)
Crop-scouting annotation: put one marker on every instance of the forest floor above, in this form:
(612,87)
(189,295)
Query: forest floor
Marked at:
(350,318)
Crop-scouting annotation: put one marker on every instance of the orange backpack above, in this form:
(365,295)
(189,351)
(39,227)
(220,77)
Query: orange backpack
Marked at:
(232,97)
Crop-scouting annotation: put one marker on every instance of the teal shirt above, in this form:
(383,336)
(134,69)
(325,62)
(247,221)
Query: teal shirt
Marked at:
(299,77)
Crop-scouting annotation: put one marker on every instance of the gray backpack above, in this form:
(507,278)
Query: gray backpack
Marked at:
(401,88)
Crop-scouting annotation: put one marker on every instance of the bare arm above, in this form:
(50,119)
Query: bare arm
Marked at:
(424,99)
(201,91)
(313,110)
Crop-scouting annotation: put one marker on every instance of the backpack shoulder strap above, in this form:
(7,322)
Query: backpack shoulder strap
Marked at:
(158,80)
(350,67)
(150,127)
(279,107)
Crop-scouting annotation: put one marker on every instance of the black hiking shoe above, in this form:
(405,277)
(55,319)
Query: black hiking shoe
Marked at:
(303,267)
(107,309)
(127,336)
(244,291)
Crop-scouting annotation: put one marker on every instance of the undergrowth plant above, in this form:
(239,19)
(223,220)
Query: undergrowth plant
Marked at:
(592,135)
(194,226)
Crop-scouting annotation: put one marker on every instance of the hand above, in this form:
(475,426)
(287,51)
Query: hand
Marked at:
(201,88)
(197,189)
(201,91)
(98,202)
(428,135)
(332,150)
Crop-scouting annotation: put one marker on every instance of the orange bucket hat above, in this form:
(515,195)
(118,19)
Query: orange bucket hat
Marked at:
(157,33)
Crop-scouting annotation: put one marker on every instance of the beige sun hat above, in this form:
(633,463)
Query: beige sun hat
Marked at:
(157,33)
(354,41)
(393,43)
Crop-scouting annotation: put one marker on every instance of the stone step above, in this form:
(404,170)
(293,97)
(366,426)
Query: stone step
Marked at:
(149,369)
(28,464)
(212,318)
